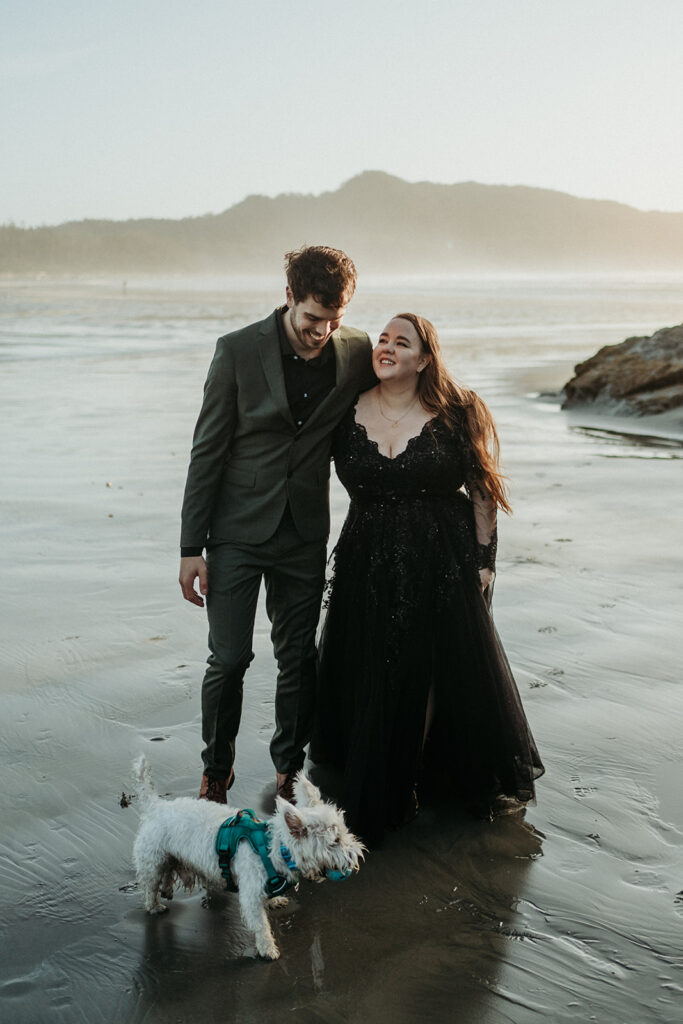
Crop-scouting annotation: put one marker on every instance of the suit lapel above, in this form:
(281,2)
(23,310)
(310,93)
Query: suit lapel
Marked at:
(341,358)
(271,360)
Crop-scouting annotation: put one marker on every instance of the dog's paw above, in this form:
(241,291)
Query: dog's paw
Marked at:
(277,901)
(158,908)
(270,952)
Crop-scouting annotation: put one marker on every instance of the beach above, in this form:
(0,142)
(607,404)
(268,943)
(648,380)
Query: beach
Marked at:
(573,912)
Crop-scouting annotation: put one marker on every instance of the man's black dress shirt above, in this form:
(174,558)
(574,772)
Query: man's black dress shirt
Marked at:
(307,381)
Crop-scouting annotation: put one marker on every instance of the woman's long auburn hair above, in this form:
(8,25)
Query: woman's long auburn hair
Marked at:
(443,397)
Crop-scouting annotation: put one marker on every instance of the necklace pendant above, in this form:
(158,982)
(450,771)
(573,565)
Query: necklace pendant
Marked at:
(395,423)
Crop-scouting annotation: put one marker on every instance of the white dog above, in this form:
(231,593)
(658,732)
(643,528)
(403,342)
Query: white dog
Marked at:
(178,839)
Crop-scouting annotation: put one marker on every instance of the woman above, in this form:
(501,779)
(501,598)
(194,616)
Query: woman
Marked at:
(412,674)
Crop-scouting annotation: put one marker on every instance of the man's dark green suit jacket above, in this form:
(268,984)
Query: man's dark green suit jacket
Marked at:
(248,456)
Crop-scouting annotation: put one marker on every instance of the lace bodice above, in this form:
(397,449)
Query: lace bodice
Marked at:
(438,466)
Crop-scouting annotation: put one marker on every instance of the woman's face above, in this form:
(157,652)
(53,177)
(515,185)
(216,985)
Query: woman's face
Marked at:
(398,355)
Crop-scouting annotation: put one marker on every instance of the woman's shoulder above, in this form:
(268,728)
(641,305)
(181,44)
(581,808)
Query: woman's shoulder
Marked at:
(364,401)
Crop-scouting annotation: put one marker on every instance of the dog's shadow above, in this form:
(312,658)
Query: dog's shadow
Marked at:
(427,922)
(193,957)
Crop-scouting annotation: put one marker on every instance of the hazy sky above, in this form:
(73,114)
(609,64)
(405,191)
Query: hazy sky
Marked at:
(168,108)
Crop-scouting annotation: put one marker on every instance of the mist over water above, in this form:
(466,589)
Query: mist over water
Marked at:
(525,316)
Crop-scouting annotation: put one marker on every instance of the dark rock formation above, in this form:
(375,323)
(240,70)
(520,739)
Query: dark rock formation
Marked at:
(641,375)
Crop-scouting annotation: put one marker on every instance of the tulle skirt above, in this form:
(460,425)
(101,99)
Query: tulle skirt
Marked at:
(405,619)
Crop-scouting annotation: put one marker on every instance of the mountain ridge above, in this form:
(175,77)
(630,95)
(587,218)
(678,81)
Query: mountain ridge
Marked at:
(385,223)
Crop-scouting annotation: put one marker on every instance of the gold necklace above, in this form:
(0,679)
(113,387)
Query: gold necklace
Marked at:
(389,419)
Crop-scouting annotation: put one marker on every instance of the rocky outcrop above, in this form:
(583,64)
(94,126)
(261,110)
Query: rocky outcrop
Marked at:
(641,375)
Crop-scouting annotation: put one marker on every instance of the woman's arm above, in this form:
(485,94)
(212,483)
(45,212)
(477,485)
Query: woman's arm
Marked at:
(485,516)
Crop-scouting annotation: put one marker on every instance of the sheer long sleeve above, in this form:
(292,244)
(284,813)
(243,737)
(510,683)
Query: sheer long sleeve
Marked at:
(485,513)
(485,524)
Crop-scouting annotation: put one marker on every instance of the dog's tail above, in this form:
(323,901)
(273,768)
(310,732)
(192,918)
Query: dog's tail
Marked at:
(142,775)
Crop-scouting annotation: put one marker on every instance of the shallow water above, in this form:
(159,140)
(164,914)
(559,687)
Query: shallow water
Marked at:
(573,913)
(618,444)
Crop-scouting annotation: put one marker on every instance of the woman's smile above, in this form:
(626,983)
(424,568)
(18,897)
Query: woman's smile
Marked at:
(398,348)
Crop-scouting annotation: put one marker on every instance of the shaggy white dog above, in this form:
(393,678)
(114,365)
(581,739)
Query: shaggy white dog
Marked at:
(177,839)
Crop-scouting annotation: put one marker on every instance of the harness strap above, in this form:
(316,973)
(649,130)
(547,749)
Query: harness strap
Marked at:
(246,826)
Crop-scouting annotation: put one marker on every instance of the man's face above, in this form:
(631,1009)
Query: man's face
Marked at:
(311,324)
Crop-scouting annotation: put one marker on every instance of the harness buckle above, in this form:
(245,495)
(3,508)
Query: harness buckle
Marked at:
(276,885)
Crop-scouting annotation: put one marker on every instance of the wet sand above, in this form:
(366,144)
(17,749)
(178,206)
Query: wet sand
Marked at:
(574,913)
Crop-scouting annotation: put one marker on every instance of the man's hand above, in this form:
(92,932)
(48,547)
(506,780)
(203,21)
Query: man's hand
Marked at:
(190,570)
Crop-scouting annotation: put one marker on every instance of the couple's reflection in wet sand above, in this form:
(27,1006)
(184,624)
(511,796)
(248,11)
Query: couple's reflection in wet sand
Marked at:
(421,933)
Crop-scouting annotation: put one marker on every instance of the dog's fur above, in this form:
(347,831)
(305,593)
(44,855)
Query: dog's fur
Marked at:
(177,839)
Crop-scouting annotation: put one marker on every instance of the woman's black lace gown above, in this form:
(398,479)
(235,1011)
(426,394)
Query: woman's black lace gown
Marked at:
(405,611)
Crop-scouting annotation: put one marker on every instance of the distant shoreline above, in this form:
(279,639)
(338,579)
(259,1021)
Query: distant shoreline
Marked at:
(391,282)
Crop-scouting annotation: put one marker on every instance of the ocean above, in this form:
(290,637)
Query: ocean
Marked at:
(522,319)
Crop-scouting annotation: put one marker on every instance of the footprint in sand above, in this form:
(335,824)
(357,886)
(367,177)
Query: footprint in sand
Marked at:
(579,789)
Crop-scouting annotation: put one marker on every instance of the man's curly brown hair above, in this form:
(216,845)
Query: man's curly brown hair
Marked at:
(326,274)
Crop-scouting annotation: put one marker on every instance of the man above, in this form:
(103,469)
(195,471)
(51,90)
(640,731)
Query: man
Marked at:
(257,500)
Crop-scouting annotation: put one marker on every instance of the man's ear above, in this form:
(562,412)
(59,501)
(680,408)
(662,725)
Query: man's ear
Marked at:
(295,824)
(290,297)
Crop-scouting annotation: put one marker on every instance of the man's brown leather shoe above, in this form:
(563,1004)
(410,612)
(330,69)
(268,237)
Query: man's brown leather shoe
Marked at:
(215,789)
(285,788)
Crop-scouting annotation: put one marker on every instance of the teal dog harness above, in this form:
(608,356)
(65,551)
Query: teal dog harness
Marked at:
(245,826)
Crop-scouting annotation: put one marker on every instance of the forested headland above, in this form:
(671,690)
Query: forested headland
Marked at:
(386,224)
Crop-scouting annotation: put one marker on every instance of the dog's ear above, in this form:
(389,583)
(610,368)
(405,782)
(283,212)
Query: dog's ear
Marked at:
(295,824)
(307,795)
